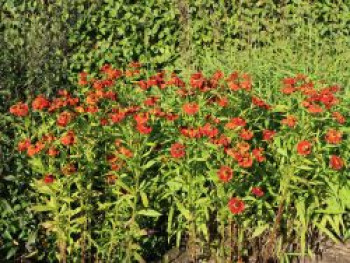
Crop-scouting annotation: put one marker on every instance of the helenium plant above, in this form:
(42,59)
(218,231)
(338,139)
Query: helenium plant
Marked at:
(131,156)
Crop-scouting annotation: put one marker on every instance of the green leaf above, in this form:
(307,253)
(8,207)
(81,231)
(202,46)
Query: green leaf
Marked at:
(41,208)
(259,230)
(149,212)
(184,211)
(144,199)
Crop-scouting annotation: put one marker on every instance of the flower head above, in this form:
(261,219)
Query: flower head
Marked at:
(336,162)
(190,108)
(304,147)
(236,206)
(257,191)
(178,150)
(225,173)
(333,136)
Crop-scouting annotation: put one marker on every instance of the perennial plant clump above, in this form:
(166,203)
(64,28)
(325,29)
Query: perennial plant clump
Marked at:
(130,156)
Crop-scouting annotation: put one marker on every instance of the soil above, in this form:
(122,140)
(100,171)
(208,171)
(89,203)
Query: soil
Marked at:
(339,253)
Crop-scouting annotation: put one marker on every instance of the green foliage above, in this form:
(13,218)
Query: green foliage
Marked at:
(45,43)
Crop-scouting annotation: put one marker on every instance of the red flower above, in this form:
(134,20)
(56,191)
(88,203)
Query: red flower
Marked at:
(190,108)
(126,152)
(304,147)
(171,116)
(92,109)
(222,102)
(40,103)
(258,154)
(68,139)
(334,136)
(225,173)
(64,118)
(246,85)
(178,150)
(190,132)
(290,121)
(243,147)
(32,150)
(288,90)
(314,109)
(20,109)
(257,191)
(23,145)
(104,121)
(260,103)
(209,131)
(117,116)
(49,179)
(141,118)
(336,162)
(110,95)
(235,122)
(143,128)
(268,135)
(289,81)
(246,134)
(135,64)
(236,205)
(244,160)
(234,86)
(83,78)
(338,117)
(151,101)
(53,152)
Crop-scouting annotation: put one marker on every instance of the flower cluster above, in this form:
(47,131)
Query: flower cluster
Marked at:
(194,116)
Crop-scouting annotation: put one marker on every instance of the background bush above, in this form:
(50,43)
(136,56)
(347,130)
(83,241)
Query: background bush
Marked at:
(45,43)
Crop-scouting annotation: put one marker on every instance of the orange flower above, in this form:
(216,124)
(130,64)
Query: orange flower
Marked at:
(260,103)
(258,154)
(68,139)
(190,108)
(177,150)
(243,147)
(236,122)
(257,191)
(52,151)
(40,103)
(32,150)
(20,109)
(333,136)
(236,206)
(268,135)
(339,117)
(23,145)
(49,179)
(246,134)
(290,121)
(314,109)
(143,128)
(288,90)
(141,118)
(244,160)
(336,162)
(83,79)
(222,102)
(63,119)
(304,147)
(126,152)
(225,173)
